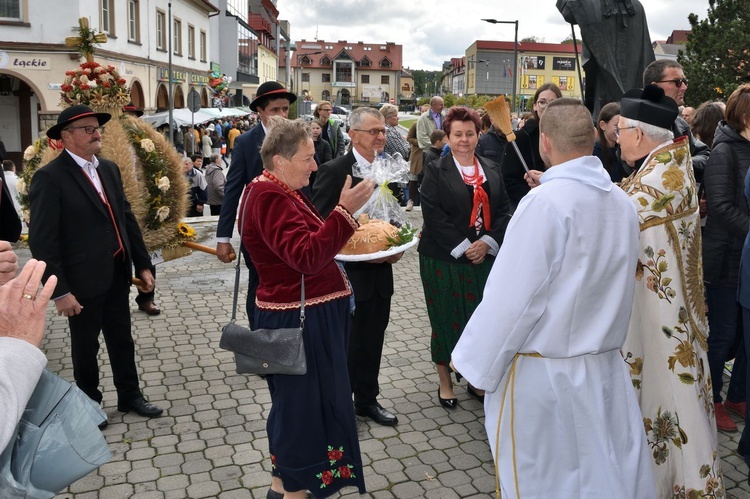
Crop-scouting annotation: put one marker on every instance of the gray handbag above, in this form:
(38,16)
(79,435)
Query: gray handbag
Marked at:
(56,442)
(265,351)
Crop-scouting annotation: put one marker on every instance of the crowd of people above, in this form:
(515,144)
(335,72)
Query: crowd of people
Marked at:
(592,280)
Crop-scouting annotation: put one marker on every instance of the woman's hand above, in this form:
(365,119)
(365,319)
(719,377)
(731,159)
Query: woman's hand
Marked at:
(477,251)
(354,198)
(532,178)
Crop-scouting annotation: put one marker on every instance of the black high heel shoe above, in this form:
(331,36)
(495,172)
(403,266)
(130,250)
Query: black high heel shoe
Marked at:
(447,403)
(474,394)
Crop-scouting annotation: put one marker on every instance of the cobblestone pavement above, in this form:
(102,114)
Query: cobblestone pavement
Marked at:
(212,440)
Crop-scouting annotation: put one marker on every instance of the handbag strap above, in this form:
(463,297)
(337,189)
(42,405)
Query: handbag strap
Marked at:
(237,277)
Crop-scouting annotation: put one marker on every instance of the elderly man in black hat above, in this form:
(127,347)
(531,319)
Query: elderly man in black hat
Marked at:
(82,227)
(272,100)
(666,344)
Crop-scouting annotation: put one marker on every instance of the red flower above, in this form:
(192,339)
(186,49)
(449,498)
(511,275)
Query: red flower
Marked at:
(471,298)
(66,88)
(455,326)
(121,81)
(85,86)
(345,472)
(335,455)
(106,84)
(327,477)
(439,273)
(70,73)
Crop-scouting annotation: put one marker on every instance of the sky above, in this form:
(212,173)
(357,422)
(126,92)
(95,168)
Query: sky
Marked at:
(434,31)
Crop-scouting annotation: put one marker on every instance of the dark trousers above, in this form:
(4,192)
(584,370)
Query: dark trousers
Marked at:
(215,209)
(414,192)
(110,314)
(744,443)
(146,297)
(725,337)
(369,322)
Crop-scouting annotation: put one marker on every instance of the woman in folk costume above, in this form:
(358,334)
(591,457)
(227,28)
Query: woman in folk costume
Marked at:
(666,344)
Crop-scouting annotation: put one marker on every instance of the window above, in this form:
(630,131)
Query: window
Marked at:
(10,9)
(134,28)
(203,46)
(326,78)
(325,61)
(306,77)
(247,50)
(161,30)
(386,63)
(365,62)
(365,79)
(344,71)
(191,42)
(107,20)
(385,80)
(177,37)
(305,61)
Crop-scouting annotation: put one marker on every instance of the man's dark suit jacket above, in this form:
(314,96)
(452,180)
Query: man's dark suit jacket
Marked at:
(246,165)
(366,278)
(72,231)
(10,224)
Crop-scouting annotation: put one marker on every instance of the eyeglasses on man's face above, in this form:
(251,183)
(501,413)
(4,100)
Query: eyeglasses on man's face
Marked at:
(619,129)
(678,82)
(372,131)
(89,129)
(325,110)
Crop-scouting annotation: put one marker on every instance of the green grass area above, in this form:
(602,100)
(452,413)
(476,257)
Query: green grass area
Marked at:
(407,123)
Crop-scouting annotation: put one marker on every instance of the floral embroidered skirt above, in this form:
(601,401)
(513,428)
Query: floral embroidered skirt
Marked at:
(452,292)
(312,431)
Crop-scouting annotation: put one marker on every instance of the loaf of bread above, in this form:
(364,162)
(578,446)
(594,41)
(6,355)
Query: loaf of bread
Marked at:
(371,237)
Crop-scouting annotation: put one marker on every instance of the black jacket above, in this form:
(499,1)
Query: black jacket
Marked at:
(728,215)
(492,146)
(527,140)
(698,150)
(446,207)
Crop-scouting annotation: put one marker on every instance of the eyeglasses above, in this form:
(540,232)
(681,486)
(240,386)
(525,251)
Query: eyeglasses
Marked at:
(372,131)
(88,129)
(618,130)
(678,82)
(327,110)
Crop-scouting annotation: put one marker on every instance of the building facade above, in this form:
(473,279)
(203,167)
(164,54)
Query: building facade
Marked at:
(34,56)
(347,74)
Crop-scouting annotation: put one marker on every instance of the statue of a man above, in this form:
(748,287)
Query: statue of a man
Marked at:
(616,46)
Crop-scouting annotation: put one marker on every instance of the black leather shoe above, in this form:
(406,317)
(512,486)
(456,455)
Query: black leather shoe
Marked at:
(141,407)
(104,424)
(447,403)
(376,412)
(272,494)
(474,394)
(150,308)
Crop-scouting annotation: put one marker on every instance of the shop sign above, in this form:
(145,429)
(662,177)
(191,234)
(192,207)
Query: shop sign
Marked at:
(198,79)
(177,76)
(24,62)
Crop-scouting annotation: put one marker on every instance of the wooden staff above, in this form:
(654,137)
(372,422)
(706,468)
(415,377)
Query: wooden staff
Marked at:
(195,246)
(500,117)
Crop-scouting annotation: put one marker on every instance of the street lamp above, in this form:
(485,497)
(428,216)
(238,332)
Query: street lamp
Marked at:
(299,77)
(515,53)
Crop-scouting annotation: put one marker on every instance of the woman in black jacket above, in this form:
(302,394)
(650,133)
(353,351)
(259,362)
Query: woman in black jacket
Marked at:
(723,238)
(527,140)
(465,211)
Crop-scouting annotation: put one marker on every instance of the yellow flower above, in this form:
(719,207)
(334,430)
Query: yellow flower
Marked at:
(21,186)
(162,183)
(673,179)
(185,230)
(147,145)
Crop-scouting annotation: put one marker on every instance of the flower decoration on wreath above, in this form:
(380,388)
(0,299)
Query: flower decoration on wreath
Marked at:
(150,167)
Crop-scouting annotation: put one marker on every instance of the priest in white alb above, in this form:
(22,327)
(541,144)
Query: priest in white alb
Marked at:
(560,410)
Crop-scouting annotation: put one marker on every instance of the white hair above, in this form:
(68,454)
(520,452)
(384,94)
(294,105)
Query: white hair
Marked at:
(653,132)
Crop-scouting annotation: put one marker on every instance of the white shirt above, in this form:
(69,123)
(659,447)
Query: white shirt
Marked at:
(89,168)
(11,180)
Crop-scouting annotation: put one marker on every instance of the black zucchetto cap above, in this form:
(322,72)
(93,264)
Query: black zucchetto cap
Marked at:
(649,105)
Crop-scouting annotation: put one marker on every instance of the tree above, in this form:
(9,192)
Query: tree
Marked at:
(532,39)
(568,40)
(425,82)
(716,54)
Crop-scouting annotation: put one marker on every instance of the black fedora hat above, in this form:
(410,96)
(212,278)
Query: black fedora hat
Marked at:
(130,108)
(649,105)
(74,113)
(271,90)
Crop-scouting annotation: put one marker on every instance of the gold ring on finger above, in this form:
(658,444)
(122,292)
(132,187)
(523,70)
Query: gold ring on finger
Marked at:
(28,296)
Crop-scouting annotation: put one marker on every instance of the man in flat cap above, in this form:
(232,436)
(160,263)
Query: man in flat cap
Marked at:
(82,227)
(272,99)
(666,343)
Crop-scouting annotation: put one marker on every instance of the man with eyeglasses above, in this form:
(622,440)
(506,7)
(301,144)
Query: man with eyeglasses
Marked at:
(82,227)
(669,76)
(372,281)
